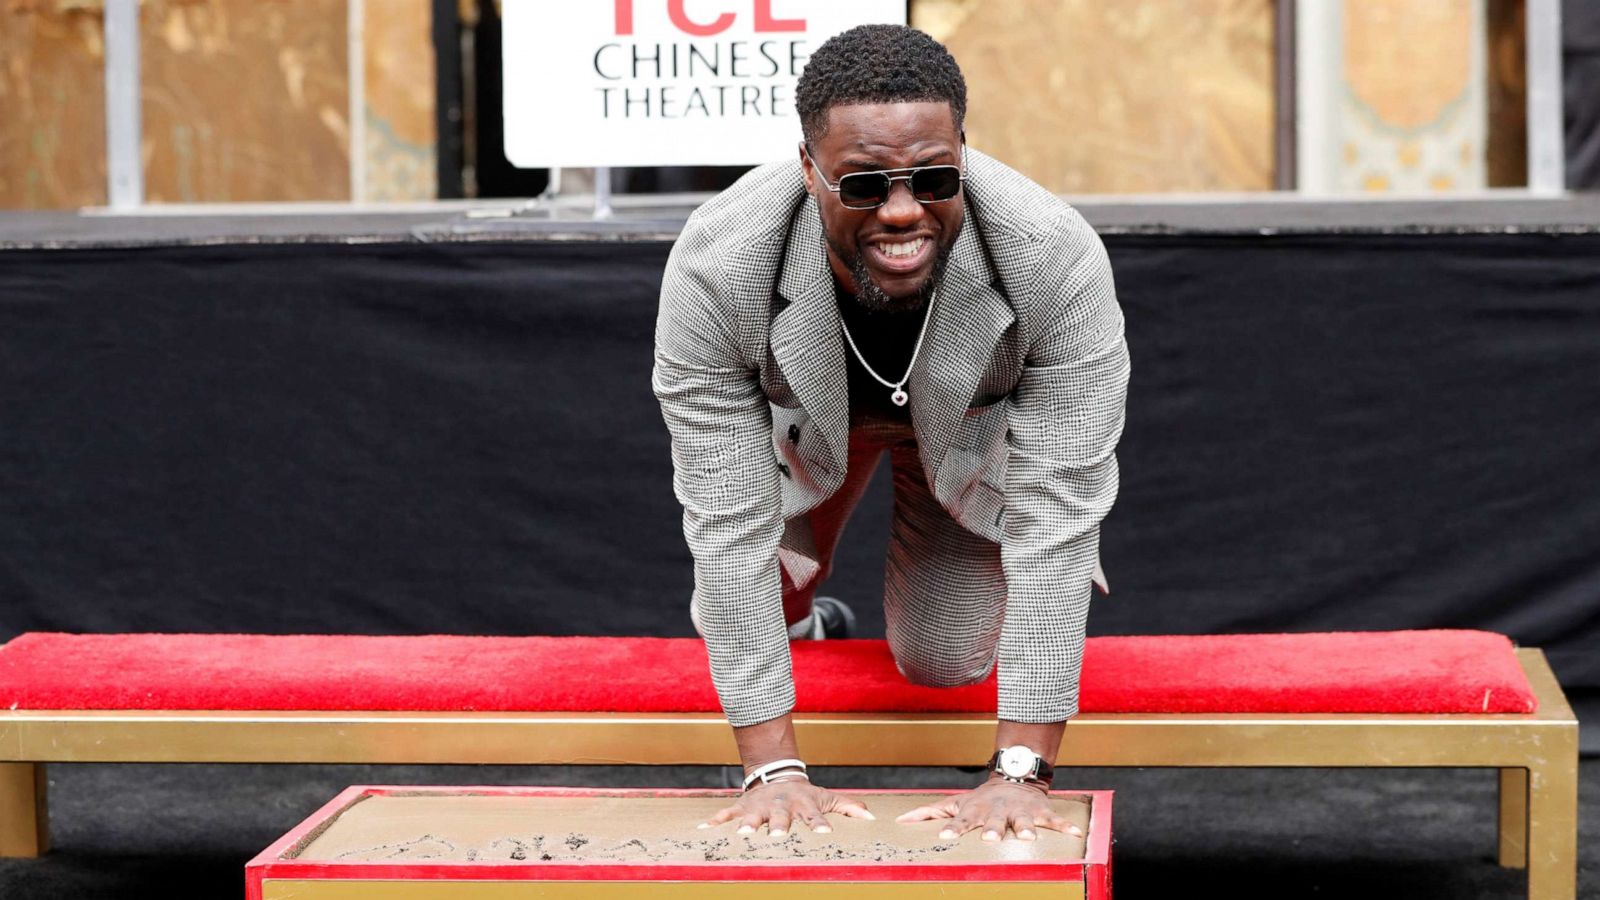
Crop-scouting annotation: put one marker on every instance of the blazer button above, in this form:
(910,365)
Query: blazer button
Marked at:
(784,468)
(794,434)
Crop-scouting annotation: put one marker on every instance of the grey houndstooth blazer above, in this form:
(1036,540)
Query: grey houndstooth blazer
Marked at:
(1017,403)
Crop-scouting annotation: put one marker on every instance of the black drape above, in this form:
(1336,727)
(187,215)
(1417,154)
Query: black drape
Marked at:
(1351,431)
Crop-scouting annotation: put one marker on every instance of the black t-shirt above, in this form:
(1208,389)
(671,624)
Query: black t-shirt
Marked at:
(887,340)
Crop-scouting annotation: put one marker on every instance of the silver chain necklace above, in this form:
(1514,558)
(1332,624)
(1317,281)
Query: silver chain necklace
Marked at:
(899,396)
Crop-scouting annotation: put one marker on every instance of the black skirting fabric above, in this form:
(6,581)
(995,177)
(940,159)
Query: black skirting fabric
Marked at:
(1352,431)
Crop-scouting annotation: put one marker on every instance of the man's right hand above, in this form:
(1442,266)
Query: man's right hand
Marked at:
(785,800)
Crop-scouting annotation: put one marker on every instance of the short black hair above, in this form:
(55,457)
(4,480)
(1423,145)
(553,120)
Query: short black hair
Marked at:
(877,64)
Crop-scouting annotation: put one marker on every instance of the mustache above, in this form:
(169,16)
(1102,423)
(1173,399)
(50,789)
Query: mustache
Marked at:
(871,295)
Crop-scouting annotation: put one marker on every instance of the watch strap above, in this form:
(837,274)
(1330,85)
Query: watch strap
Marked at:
(1043,771)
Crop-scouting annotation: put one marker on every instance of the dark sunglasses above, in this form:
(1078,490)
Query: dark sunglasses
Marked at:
(870,190)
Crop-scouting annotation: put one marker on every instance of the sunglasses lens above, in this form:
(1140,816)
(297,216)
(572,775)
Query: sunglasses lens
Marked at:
(867,190)
(935,183)
(863,190)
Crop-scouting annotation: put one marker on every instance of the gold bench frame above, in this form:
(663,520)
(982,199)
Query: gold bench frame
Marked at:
(1537,754)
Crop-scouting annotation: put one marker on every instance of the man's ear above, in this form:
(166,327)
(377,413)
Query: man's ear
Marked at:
(806,171)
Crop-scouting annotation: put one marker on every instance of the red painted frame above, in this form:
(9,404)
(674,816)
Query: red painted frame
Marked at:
(1094,870)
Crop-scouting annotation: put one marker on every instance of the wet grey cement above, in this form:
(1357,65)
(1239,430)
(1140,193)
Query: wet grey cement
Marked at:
(187,830)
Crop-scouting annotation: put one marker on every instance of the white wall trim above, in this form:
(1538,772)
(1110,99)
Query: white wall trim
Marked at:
(124,126)
(1547,155)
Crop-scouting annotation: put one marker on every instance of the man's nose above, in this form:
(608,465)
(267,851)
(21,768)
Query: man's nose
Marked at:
(901,210)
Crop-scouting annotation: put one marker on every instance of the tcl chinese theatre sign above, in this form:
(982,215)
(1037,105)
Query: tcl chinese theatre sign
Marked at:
(663,82)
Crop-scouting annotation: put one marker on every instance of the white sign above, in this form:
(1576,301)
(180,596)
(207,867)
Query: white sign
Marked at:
(663,82)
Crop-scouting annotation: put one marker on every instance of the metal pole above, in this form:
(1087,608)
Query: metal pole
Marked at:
(1546,145)
(1285,167)
(602,192)
(124,166)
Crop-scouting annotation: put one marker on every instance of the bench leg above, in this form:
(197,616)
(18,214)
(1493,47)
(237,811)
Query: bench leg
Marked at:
(24,813)
(1514,818)
(1553,823)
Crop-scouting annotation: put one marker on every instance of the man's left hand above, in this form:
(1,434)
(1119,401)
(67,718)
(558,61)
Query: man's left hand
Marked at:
(994,806)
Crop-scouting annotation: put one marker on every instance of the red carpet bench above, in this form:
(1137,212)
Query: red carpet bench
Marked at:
(1440,698)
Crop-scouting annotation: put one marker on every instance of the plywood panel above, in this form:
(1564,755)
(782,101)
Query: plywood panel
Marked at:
(245,100)
(399,78)
(52,106)
(1132,96)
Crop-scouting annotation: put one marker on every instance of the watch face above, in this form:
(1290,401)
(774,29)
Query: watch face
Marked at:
(1017,762)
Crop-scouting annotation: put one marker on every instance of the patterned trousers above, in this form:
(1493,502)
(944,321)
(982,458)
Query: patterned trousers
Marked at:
(944,591)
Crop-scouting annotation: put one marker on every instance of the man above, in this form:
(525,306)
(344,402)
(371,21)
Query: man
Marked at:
(892,291)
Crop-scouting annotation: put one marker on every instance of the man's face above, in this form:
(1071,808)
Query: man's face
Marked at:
(866,247)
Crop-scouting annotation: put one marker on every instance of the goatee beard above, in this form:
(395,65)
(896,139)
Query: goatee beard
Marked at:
(871,295)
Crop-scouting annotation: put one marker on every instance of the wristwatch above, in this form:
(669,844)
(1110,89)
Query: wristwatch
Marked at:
(1021,765)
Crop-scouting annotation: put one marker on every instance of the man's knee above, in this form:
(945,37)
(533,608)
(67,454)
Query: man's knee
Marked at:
(941,673)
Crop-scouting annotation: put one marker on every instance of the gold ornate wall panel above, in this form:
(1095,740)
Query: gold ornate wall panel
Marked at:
(1130,96)
(245,100)
(1412,116)
(397,41)
(52,105)
(1406,61)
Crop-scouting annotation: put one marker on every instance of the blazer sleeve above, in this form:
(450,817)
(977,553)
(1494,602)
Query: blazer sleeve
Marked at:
(725,474)
(1065,417)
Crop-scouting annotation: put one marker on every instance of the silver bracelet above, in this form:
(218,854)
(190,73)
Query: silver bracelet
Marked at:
(763,773)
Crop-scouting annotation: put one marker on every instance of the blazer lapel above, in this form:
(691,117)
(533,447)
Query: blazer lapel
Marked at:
(969,317)
(805,335)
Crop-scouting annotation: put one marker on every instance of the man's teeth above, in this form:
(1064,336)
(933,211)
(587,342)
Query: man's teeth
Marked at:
(909,248)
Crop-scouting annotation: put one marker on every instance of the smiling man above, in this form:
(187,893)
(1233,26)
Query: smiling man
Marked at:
(892,291)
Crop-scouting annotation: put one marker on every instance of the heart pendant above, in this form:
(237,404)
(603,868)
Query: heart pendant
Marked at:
(899,397)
